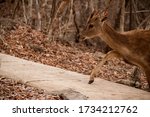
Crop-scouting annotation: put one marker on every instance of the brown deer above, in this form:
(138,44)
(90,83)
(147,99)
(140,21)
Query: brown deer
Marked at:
(133,46)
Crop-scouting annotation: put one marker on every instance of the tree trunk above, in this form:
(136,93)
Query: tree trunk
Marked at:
(39,23)
(122,16)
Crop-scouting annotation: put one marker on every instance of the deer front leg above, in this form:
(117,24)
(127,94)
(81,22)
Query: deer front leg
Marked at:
(108,56)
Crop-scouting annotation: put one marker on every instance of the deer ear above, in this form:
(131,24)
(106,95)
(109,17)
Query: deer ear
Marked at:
(104,15)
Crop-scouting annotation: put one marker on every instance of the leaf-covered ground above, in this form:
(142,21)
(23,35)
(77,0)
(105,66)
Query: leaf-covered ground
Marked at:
(24,42)
(13,90)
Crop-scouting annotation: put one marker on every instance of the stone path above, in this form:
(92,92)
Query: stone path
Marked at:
(70,85)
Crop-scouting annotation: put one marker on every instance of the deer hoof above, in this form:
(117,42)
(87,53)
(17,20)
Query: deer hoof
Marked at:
(90,81)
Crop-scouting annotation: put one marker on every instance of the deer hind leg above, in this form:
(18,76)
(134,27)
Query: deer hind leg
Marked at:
(135,77)
(134,80)
(108,56)
(147,72)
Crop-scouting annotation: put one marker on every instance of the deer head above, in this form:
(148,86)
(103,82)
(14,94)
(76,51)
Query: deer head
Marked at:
(94,25)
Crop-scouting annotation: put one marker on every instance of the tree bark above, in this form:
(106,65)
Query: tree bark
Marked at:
(30,11)
(39,23)
(122,16)
(24,11)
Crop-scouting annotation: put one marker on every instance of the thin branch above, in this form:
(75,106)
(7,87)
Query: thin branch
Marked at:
(51,17)
(130,23)
(143,22)
(24,11)
(76,24)
(57,16)
(16,8)
(135,9)
(70,15)
(45,3)
(141,11)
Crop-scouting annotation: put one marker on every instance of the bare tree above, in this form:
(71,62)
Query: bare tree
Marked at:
(39,23)
(30,11)
(16,7)
(24,11)
(122,15)
(55,20)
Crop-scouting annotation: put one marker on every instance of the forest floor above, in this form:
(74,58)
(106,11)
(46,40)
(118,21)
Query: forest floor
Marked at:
(13,90)
(23,42)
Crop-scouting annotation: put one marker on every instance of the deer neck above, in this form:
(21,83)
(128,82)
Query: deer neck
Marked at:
(111,37)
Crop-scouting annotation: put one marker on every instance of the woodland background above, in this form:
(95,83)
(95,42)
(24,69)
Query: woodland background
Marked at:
(47,31)
(64,19)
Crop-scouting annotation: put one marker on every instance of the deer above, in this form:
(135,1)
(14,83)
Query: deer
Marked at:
(133,46)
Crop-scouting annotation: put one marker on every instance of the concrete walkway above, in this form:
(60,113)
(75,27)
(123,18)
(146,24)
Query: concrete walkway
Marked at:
(70,85)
